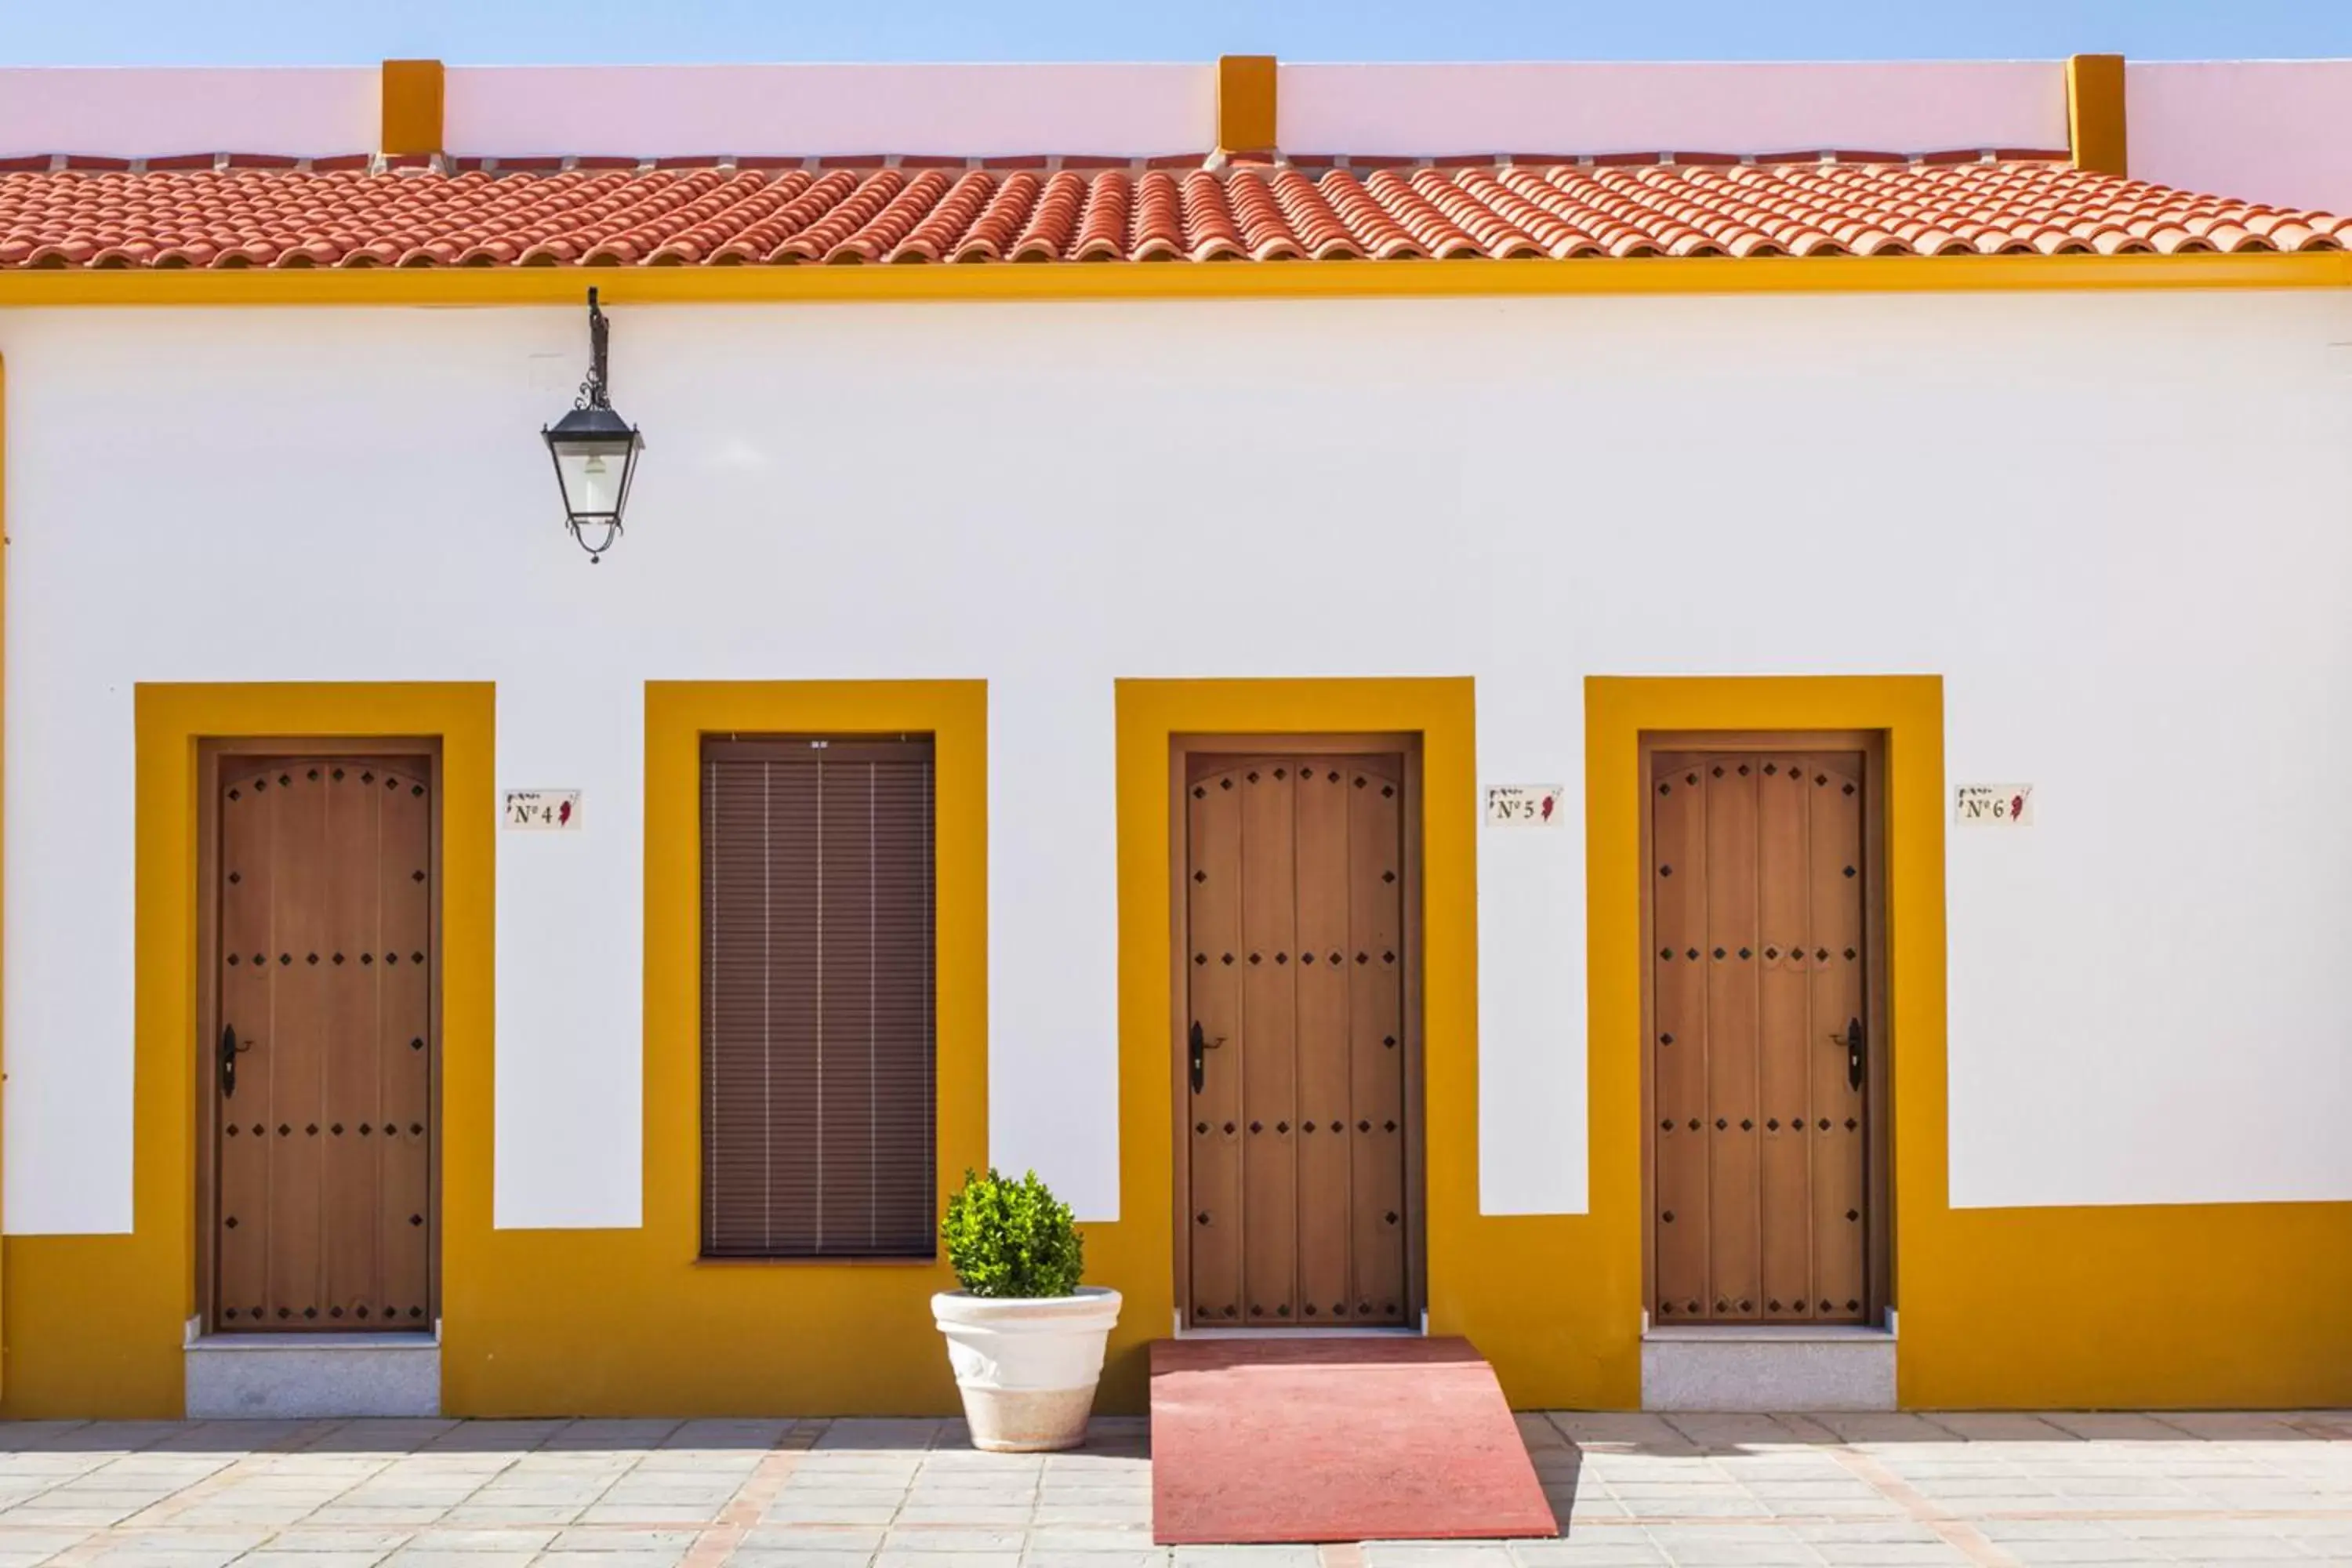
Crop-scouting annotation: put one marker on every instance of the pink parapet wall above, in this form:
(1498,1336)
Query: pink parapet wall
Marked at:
(2278,132)
(1436,110)
(174,111)
(2269,130)
(832,111)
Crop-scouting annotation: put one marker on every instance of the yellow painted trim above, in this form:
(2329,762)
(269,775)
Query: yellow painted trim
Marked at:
(1477,1283)
(95,1323)
(1014,281)
(3,622)
(631,1322)
(2073,1308)
(2097,121)
(412,108)
(534,1322)
(1247,108)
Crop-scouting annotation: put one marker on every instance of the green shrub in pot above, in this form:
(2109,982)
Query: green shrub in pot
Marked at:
(1024,1339)
(1012,1240)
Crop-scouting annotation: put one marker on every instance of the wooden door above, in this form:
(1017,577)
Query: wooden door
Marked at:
(1297,966)
(1759,959)
(320,1059)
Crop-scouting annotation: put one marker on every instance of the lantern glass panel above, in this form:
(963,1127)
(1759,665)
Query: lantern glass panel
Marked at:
(594,474)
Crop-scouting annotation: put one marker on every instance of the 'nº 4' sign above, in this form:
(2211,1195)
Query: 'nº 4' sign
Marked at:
(542,810)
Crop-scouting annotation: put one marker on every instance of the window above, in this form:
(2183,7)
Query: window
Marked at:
(817,993)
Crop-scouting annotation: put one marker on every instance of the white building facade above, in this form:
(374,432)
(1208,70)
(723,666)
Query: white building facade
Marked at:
(2069,534)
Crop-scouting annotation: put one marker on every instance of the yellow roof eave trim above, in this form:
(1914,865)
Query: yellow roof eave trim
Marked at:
(37,289)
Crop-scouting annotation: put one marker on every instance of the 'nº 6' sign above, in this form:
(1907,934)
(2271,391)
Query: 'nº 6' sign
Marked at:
(1993,805)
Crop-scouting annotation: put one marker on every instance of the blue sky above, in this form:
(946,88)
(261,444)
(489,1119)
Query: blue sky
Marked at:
(302,32)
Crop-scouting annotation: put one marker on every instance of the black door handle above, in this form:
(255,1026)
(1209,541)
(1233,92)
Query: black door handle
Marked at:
(229,1052)
(1853,1053)
(1199,1056)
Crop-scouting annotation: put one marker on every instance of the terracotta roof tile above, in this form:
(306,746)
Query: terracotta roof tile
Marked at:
(233,211)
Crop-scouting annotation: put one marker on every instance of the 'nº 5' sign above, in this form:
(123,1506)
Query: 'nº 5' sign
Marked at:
(1525,805)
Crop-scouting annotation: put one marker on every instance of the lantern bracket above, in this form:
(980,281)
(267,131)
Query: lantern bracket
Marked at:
(594,449)
(594,391)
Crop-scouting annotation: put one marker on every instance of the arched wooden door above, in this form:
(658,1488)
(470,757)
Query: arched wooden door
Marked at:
(1762,1043)
(1297,983)
(318,1059)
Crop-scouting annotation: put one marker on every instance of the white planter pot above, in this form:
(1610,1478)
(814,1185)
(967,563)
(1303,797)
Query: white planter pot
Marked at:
(1027,1368)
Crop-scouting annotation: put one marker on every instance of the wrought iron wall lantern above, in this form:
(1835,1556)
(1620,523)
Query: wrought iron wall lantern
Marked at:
(595,451)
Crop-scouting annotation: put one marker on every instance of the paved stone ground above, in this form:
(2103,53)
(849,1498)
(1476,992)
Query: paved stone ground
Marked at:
(1724,1491)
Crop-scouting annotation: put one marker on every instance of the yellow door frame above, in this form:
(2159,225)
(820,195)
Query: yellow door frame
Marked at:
(1138,1253)
(95,1323)
(1908,712)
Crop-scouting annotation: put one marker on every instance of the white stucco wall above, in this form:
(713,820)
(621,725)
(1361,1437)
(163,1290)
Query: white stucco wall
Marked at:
(2111,522)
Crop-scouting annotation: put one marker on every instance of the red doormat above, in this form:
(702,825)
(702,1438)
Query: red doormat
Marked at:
(1335,1440)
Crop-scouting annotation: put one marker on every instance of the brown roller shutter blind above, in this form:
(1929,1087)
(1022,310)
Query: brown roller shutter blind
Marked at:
(817,998)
